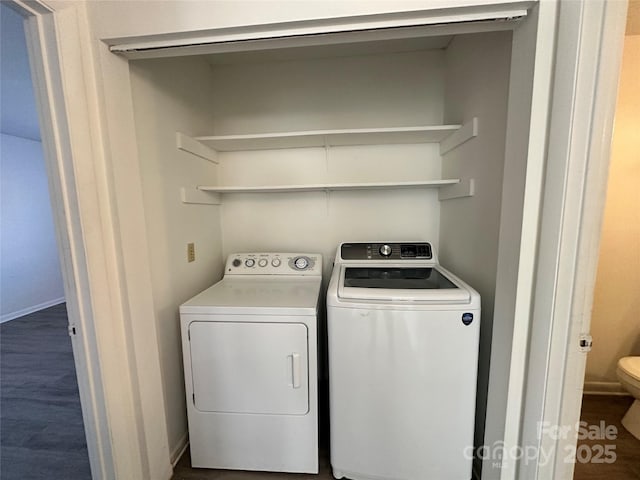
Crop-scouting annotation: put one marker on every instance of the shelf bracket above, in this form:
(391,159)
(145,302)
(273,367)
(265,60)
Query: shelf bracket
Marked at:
(465,133)
(193,195)
(466,188)
(194,147)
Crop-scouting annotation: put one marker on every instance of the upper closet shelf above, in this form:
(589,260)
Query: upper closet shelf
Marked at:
(329,138)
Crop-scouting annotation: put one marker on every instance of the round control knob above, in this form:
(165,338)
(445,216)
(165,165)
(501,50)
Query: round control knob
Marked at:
(385,250)
(236,262)
(249,262)
(276,262)
(301,263)
(262,262)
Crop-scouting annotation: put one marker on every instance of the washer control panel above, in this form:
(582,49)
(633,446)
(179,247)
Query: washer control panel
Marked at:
(386,251)
(274,264)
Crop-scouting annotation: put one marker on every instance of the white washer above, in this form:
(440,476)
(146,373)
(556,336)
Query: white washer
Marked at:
(250,361)
(403,356)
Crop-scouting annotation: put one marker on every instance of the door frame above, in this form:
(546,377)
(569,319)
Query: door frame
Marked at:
(44,59)
(115,377)
(116,83)
(581,125)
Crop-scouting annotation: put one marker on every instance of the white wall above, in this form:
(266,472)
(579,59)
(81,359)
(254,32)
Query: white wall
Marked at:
(170,96)
(477,85)
(149,17)
(318,221)
(30,277)
(357,92)
(349,92)
(18,114)
(614,322)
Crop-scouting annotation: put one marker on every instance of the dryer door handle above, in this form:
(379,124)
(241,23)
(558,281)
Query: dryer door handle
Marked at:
(295,370)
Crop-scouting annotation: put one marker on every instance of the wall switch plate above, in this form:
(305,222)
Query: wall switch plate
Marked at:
(191,252)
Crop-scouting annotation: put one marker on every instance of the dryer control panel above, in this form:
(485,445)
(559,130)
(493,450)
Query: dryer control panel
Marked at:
(386,251)
(270,263)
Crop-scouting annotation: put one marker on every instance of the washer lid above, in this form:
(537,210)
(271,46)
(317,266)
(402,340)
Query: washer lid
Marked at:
(400,283)
(250,295)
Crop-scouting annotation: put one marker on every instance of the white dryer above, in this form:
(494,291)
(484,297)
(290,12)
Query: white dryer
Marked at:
(403,357)
(250,363)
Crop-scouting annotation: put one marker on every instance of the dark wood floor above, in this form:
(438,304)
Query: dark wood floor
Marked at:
(610,410)
(183,471)
(42,434)
(41,430)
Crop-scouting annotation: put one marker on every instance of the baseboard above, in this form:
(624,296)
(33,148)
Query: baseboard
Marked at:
(604,388)
(179,449)
(26,311)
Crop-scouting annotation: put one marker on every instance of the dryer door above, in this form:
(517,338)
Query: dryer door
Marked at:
(244,367)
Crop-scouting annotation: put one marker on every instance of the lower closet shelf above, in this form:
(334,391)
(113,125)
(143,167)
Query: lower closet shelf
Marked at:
(328,187)
(204,194)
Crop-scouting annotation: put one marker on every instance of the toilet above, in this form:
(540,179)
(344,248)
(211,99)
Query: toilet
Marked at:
(629,376)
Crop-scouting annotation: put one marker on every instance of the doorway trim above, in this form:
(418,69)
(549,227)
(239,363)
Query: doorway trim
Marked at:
(581,125)
(44,59)
(108,365)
